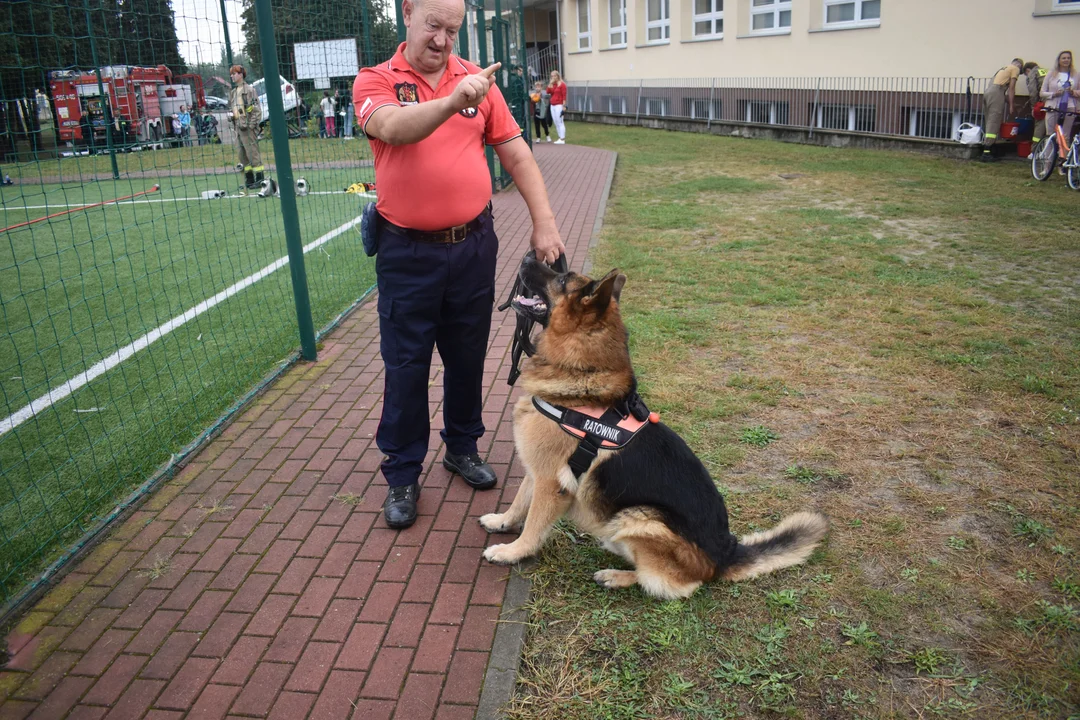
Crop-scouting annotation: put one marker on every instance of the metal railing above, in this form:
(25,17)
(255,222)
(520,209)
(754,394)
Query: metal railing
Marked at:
(916,107)
(541,62)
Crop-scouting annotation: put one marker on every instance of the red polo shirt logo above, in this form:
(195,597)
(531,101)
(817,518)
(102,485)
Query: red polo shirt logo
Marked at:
(407,94)
(442,180)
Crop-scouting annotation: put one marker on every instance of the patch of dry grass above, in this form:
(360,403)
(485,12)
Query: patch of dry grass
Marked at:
(906,327)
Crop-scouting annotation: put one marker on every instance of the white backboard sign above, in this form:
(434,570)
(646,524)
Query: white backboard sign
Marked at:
(326,59)
(322,83)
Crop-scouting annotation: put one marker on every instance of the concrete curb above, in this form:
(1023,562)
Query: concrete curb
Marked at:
(502,670)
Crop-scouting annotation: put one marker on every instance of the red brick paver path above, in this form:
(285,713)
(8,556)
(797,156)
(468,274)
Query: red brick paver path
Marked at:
(261,581)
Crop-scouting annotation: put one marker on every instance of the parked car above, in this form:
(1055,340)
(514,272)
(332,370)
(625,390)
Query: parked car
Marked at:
(215,103)
(288,94)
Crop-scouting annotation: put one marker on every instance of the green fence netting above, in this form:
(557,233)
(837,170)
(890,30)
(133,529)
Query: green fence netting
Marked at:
(141,295)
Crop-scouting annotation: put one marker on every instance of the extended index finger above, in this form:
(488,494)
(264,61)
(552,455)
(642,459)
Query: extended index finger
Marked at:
(490,70)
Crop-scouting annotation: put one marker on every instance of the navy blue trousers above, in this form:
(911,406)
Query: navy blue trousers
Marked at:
(432,295)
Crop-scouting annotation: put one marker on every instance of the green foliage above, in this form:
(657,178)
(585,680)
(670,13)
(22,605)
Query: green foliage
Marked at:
(758,436)
(929,660)
(306,21)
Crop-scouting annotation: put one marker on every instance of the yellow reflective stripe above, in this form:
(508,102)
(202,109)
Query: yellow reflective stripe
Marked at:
(248,168)
(991,135)
(259,168)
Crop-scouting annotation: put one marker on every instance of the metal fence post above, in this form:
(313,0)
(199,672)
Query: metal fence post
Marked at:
(365,17)
(106,100)
(225,27)
(400,21)
(637,111)
(481,42)
(279,128)
(526,79)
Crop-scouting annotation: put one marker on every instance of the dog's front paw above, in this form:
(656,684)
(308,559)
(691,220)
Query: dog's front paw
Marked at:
(611,579)
(494,522)
(503,554)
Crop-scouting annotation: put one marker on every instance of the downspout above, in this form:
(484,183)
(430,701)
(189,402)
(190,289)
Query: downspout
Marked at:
(558,39)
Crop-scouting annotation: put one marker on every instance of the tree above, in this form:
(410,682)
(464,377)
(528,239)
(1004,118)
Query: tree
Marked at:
(39,36)
(312,20)
(150,34)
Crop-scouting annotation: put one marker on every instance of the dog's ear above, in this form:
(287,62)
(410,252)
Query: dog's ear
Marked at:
(608,287)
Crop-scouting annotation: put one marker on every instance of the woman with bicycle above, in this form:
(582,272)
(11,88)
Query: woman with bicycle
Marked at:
(1061,93)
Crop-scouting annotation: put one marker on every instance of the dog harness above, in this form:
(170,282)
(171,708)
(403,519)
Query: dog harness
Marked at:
(598,428)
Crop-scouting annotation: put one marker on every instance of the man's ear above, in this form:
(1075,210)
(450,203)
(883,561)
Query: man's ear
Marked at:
(608,287)
(407,7)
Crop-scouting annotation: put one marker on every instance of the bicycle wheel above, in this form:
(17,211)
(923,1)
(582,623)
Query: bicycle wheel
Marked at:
(1072,167)
(1044,158)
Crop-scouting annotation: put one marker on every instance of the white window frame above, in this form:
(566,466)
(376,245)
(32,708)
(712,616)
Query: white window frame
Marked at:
(664,106)
(850,110)
(774,8)
(663,24)
(773,108)
(713,109)
(1065,5)
(955,118)
(713,16)
(856,23)
(615,32)
(584,37)
(616,105)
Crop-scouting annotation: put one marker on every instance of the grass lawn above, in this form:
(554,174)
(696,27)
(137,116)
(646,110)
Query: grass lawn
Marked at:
(890,338)
(77,288)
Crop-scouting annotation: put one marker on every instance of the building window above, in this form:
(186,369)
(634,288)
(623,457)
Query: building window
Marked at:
(616,105)
(708,18)
(655,106)
(770,16)
(584,31)
(764,112)
(1066,5)
(617,23)
(701,109)
(852,13)
(658,21)
(939,124)
(583,103)
(859,118)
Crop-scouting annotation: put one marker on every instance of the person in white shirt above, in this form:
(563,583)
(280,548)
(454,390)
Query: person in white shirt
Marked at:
(1061,92)
(327,104)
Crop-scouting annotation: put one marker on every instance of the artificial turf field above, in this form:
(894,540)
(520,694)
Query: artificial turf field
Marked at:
(78,288)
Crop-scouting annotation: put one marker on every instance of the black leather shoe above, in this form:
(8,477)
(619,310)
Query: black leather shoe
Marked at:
(400,506)
(477,473)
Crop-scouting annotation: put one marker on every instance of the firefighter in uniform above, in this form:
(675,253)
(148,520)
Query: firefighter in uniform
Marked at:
(1034,76)
(1000,92)
(244,114)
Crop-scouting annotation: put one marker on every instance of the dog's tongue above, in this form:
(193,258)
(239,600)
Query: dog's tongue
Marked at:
(531,302)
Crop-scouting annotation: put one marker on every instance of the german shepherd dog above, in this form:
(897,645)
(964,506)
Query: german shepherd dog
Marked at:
(651,501)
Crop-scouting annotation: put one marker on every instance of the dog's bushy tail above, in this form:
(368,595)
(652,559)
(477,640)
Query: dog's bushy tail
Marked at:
(787,544)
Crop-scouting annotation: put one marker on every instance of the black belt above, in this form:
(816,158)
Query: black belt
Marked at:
(449,236)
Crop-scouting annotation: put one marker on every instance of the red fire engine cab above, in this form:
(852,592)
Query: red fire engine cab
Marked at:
(140,101)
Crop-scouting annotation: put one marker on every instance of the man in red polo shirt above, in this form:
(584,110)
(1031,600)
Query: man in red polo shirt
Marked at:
(428,116)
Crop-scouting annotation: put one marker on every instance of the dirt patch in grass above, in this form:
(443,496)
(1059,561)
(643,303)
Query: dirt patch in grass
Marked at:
(859,339)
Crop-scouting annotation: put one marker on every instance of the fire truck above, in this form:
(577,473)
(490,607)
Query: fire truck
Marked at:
(140,102)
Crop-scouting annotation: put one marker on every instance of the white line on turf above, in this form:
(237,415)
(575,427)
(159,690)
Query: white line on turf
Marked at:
(156,200)
(54,396)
